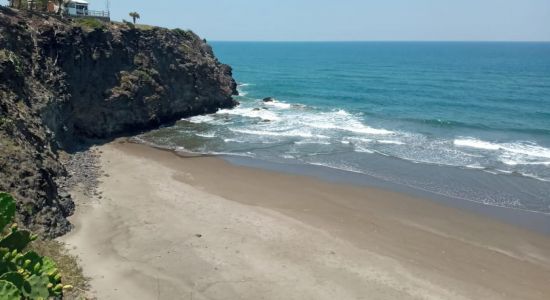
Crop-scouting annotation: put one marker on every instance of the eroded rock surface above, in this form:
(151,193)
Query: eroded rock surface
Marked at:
(61,84)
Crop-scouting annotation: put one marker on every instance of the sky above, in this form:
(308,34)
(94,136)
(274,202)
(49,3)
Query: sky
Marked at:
(346,20)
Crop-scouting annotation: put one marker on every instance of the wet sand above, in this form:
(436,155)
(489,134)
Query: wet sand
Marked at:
(171,227)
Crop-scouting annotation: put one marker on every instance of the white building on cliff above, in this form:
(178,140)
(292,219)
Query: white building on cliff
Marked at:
(79,8)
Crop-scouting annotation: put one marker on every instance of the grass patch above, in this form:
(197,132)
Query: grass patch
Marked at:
(135,26)
(67,265)
(90,23)
(145,27)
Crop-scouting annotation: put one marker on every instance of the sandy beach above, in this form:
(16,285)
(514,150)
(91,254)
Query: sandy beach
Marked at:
(172,227)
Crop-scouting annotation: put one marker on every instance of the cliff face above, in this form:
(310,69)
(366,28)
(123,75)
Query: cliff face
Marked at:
(61,83)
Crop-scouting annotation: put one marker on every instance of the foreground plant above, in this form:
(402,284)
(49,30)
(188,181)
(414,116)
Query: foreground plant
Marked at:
(23,275)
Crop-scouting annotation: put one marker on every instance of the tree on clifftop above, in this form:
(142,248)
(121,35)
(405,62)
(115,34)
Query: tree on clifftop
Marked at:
(134,16)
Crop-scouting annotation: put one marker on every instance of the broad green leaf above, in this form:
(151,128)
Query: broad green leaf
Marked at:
(39,287)
(7,209)
(48,265)
(18,280)
(8,291)
(16,240)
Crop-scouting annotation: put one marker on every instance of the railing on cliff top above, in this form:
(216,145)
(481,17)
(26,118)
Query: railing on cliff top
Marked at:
(91,13)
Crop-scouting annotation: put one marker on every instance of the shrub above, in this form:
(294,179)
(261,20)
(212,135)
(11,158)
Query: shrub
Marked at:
(24,275)
(129,24)
(90,23)
(67,265)
(188,34)
(11,57)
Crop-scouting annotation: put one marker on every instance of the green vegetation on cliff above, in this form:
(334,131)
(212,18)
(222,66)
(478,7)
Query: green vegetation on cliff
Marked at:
(90,23)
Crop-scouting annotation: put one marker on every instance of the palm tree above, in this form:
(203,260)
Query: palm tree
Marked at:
(134,16)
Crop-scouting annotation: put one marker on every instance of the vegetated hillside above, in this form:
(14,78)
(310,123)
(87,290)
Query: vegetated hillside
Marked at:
(64,81)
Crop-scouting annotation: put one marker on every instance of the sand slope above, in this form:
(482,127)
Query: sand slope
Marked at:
(199,228)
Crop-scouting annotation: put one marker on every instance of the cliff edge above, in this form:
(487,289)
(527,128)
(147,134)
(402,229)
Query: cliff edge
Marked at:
(63,81)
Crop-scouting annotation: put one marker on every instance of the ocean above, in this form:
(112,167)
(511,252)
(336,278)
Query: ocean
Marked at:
(468,121)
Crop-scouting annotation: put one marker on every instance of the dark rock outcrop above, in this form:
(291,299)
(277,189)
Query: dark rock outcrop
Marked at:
(268,99)
(61,83)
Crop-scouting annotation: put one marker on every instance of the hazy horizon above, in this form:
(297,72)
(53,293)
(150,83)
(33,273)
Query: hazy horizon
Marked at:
(352,20)
(378,41)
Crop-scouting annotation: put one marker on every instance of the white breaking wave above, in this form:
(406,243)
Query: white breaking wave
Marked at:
(240,87)
(206,135)
(278,104)
(475,166)
(535,177)
(514,161)
(362,149)
(259,122)
(296,119)
(234,141)
(251,113)
(474,143)
(512,154)
(289,133)
(341,120)
(201,119)
(391,142)
(528,149)
(351,139)
(306,142)
(246,154)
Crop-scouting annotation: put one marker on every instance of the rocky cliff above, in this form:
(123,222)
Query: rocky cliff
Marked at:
(63,81)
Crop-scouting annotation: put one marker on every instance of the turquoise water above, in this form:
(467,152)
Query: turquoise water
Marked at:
(466,120)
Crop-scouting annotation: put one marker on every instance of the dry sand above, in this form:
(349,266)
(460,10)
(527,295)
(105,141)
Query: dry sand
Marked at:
(169,227)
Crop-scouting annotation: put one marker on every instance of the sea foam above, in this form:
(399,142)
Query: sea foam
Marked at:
(251,113)
(278,104)
(511,153)
(474,143)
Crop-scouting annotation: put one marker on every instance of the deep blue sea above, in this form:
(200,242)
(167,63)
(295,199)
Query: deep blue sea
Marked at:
(464,120)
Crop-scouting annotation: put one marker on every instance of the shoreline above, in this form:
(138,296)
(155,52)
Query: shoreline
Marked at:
(528,219)
(169,226)
(525,218)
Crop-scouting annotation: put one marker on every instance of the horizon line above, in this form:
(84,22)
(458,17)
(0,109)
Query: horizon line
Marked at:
(381,41)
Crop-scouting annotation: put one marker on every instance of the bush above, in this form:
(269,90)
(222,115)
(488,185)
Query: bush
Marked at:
(129,24)
(67,265)
(24,275)
(188,34)
(90,23)
(11,57)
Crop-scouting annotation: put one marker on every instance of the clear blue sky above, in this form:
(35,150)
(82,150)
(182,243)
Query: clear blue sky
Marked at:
(487,20)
